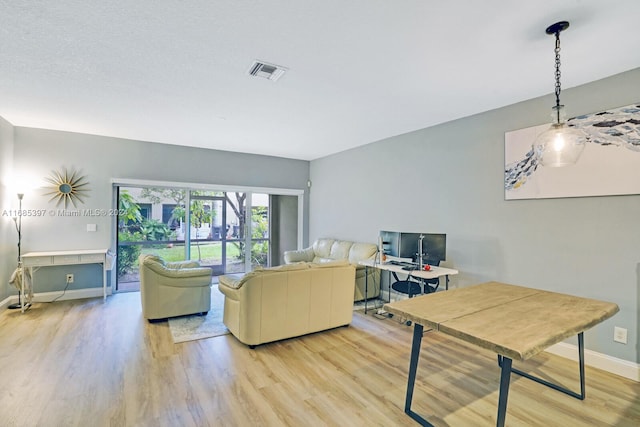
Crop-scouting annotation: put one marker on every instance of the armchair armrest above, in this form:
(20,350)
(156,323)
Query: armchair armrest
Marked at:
(178,273)
(182,264)
(232,286)
(229,282)
(304,255)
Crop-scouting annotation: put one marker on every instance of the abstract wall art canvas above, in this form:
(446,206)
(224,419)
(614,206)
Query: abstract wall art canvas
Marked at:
(609,164)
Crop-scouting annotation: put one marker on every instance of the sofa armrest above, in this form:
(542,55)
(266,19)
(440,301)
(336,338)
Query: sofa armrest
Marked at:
(234,287)
(228,290)
(230,282)
(304,255)
(362,252)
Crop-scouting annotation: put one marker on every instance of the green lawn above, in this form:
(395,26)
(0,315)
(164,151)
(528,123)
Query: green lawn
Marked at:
(209,254)
(208,251)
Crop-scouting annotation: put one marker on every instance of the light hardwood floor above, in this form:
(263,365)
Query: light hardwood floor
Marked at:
(81,363)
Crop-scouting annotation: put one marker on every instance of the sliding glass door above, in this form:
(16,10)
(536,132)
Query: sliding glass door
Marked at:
(227,231)
(151,221)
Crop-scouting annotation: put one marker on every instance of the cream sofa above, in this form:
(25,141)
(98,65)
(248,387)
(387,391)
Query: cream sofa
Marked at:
(169,289)
(275,303)
(324,250)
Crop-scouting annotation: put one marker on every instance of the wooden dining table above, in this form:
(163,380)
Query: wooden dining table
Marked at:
(515,322)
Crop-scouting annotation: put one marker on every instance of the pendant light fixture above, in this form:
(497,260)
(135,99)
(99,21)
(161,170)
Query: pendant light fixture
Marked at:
(561,144)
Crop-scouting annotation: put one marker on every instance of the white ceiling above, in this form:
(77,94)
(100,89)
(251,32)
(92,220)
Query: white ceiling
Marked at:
(175,71)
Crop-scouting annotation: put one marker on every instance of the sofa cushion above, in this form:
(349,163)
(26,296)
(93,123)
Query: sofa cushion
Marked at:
(322,248)
(361,251)
(303,255)
(340,249)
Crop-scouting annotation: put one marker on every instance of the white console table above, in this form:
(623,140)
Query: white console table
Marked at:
(34,260)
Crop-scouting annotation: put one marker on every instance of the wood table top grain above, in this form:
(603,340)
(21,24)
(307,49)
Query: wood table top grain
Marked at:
(513,321)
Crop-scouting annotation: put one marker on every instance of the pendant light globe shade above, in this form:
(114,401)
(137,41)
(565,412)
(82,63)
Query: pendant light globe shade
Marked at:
(560,145)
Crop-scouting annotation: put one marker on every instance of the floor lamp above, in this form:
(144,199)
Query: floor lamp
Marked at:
(18,223)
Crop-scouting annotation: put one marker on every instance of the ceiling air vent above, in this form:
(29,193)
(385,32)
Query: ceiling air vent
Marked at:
(266,71)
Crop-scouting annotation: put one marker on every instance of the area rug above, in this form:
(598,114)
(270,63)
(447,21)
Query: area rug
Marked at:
(195,327)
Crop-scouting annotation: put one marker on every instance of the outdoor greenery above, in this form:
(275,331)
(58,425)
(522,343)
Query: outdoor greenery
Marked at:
(260,229)
(132,228)
(129,210)
(157,195)
(127,255)
(129,220)
(152,229)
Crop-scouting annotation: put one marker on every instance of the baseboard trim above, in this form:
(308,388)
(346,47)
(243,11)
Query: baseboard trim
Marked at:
(611,364)
(58,296)
(6,302)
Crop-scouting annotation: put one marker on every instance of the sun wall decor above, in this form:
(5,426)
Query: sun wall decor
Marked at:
(66,187)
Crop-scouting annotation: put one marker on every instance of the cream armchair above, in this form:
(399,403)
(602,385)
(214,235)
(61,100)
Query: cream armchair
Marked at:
(169,289)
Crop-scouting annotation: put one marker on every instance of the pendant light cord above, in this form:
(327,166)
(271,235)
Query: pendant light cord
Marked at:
(557,50)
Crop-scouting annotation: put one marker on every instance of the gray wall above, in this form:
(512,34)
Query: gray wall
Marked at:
(38,152)
(8,235)
(450,178)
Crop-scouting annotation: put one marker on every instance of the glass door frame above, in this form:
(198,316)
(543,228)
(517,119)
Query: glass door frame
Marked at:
(142,242)
(247,231)
(190,186)
(190,198)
